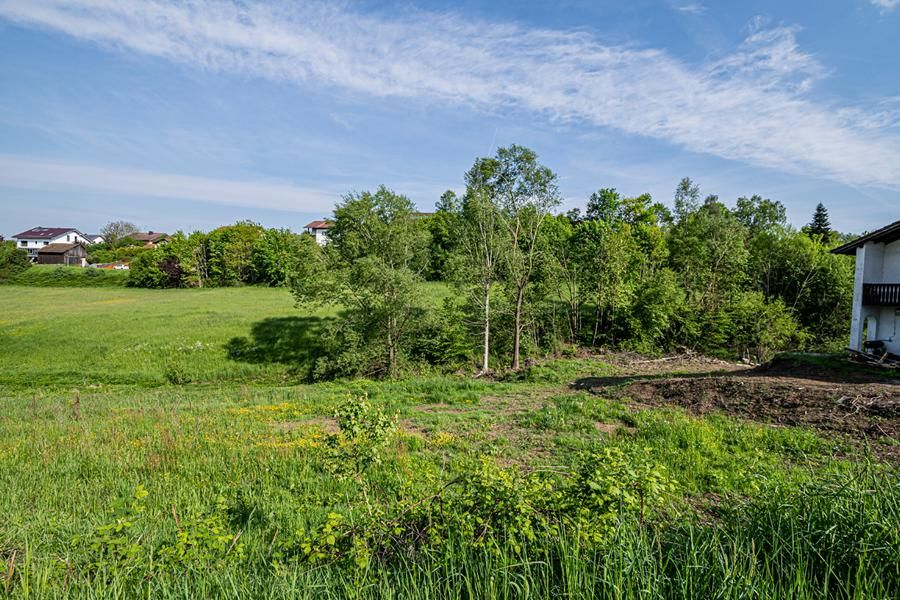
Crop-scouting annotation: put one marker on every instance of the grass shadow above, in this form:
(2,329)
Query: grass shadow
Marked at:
(293,341)
(589,383)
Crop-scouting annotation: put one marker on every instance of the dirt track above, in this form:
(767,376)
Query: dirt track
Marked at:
(860,404)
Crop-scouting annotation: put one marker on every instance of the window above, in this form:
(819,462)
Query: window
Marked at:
(23,243)
(67,237)
(46,243)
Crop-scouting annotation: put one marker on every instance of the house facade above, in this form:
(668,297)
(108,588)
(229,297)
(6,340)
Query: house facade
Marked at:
(37,238)
(876,291)
(70,255)
(319,230)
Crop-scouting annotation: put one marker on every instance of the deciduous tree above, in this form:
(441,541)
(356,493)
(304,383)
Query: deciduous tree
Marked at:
(114,231)
(525,192)
(373,266)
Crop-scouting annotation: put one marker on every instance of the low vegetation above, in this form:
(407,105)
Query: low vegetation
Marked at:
(59,276)
(154,460)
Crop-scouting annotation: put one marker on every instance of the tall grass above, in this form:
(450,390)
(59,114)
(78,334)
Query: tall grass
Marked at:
(837,540)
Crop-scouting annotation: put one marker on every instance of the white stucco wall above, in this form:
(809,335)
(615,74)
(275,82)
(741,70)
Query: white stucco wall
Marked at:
(876,263)
(890,263)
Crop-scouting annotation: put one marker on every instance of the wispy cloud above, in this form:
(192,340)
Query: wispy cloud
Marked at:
(694,8)
(756,105)
(24,172)
(886,4)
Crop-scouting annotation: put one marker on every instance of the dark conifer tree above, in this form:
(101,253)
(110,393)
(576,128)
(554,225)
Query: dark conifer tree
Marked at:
(820,224)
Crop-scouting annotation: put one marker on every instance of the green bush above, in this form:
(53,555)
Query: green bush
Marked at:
(156,269)
(761,328)
(13,261)
(58,276)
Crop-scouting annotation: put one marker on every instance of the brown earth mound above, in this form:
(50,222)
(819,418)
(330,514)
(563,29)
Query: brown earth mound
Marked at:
(861,404)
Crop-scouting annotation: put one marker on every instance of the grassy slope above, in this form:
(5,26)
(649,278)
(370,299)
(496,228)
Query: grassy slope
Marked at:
(86,336)
(69,457)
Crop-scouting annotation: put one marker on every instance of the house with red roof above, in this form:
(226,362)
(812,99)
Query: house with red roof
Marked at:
(319,230)
(36,238)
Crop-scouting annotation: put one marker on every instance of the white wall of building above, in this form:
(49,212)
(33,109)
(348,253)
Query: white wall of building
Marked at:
(890,272)
(32,245)
(876,263)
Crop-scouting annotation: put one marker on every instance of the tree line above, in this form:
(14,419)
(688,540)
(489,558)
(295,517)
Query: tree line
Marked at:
(525,280)
(241,254)
(627,272)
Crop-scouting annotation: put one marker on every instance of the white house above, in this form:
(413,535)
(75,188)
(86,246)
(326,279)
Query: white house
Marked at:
(319,230)
(36,238)
(876,291)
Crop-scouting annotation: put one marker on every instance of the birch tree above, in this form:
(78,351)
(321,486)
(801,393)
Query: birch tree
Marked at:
(523,192)
(476,266)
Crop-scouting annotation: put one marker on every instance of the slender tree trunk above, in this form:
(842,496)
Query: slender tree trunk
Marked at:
(486,351)
(392,354)
(520,295)
(596,325)
(573,307)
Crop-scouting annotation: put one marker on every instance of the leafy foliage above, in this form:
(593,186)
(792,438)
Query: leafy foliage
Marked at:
(115,233)
(373,265)
(12,260)
(239,254)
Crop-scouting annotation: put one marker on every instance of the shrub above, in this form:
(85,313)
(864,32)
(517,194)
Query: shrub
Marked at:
(442,338)
(156,269)
(762,328)
(54,276)
(13,260)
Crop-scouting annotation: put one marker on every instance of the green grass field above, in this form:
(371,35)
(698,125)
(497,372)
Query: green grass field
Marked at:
(138,459)
(98,336)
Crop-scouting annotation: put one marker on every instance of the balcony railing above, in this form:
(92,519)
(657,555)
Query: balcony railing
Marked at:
(881,294)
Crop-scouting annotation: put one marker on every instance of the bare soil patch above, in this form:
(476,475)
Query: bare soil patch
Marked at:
(860,404)
(612,428)
(633,364)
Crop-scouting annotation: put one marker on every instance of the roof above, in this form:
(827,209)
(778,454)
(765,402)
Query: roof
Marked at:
(150,236)
(58,248)
(317,225)
(45,233)
(885,235)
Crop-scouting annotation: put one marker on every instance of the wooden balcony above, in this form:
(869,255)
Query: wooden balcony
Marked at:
(881,294)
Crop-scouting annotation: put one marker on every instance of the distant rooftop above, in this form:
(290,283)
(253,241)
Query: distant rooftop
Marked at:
(41,233)
(150,236)
(58,248)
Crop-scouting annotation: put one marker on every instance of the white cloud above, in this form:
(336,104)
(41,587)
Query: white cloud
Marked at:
(694,8)
(886,4)
(755,105)
(34,173)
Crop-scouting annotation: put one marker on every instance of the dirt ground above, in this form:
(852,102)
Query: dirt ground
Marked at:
(862,404)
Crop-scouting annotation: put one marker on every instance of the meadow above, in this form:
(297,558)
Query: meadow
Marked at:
(141,456)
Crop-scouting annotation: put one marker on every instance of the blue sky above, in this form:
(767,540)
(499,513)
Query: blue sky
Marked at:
(183,115)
